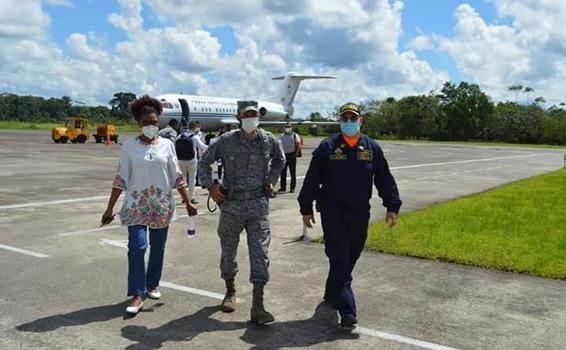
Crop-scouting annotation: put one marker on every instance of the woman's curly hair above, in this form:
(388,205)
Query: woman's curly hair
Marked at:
(145,105)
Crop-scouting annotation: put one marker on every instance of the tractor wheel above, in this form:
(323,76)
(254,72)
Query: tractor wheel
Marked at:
(63,140)
(81,139)
(97,138)
(56,140)
(115,138)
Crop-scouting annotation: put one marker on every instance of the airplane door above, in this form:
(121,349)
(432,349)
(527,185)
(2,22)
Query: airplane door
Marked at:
(185,111)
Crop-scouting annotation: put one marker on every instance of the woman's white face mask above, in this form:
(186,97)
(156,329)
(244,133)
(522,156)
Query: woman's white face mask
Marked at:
(150,131)
(250,124)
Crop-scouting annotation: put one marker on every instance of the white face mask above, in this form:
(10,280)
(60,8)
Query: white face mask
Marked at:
(287,130)
(150,131)
(250,124)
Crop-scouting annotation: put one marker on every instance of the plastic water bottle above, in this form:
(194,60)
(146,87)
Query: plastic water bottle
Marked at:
(191,230)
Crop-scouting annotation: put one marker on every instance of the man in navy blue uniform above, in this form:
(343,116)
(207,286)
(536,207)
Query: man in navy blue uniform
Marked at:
(340,178)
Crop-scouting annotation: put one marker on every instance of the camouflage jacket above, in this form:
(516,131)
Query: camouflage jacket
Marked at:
(248,163)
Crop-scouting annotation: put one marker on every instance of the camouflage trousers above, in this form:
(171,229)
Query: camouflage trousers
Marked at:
(251,215)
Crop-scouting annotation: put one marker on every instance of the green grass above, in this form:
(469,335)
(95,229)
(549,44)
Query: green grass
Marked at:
(519,227)
(14,125)
(27,126)
(479,143)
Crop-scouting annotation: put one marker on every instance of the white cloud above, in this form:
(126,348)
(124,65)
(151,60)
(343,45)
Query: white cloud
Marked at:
(421,43)
(68,3)
(531,50)
(356,40)
(22,19)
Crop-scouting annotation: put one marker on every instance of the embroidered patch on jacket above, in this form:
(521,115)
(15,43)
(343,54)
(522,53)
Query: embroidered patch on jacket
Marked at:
(338,155)
(365,155)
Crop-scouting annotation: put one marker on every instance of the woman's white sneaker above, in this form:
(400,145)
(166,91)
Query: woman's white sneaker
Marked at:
(154,294)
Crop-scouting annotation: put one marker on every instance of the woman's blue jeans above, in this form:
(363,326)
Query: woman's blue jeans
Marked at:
(138,279)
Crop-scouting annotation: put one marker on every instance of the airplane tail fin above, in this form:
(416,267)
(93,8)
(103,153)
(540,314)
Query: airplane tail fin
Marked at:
(288,90)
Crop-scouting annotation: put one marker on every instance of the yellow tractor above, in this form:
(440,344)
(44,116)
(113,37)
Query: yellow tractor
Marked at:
(75,130)
(105,132)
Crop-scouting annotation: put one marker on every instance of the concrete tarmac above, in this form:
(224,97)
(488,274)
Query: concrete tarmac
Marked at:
(64,279)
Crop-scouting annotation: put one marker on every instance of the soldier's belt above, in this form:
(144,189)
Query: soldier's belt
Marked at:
(245,195)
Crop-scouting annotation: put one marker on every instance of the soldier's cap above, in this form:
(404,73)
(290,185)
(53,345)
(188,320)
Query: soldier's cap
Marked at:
(350,107)
(244,106)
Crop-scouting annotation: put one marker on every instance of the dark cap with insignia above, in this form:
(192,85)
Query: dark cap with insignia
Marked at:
(350,107)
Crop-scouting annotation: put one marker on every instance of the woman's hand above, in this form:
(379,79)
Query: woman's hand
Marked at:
(107,217)
(191,209)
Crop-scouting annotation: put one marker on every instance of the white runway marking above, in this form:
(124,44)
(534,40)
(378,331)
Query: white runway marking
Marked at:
(105,228)
(462,161)
(115,243)
(124,245)
(86,199)
(23,251)
(401,339)
(449,163)
(191,290)
(43,204)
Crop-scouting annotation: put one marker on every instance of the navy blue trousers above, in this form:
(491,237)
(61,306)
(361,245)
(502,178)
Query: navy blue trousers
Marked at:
(345,235)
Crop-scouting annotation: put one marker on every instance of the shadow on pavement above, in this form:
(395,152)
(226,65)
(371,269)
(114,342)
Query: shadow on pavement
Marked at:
(321,327)
(76,318)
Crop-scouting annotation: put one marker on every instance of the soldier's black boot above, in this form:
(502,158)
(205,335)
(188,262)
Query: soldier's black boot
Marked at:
(258,313)
(229,302)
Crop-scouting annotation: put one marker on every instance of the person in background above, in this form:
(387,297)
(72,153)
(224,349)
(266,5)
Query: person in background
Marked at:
(340,178)
(234,127)
(199,154)
(147,171)
(221,132)
(187,146)
(170,131)
(253,160)
(291,143)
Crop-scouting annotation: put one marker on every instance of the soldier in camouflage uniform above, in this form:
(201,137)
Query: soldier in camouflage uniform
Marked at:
(252,160)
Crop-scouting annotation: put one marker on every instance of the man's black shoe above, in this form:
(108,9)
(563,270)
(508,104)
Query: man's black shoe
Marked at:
(348,321)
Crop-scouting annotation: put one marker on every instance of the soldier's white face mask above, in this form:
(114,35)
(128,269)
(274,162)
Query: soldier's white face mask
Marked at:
(250,124)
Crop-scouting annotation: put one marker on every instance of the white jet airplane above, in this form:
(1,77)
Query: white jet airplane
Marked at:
(215,112)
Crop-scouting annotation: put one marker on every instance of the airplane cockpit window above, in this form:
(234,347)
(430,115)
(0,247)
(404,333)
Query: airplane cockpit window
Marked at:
(167,105)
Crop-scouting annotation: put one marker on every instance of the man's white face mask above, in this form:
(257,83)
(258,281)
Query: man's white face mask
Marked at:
(288,130)
(250,124)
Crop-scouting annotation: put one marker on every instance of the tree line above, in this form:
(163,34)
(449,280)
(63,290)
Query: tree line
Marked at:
(457,112)
(35,109)
(462,112)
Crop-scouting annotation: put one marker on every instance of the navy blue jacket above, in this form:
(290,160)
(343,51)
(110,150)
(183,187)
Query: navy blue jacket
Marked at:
(343,177)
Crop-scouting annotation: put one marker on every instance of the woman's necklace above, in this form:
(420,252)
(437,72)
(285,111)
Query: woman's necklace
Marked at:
(150,153)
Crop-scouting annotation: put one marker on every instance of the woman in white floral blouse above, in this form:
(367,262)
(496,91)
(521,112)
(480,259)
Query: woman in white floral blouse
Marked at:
(147,172)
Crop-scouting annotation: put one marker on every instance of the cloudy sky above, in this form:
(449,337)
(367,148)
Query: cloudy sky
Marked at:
(89,49)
